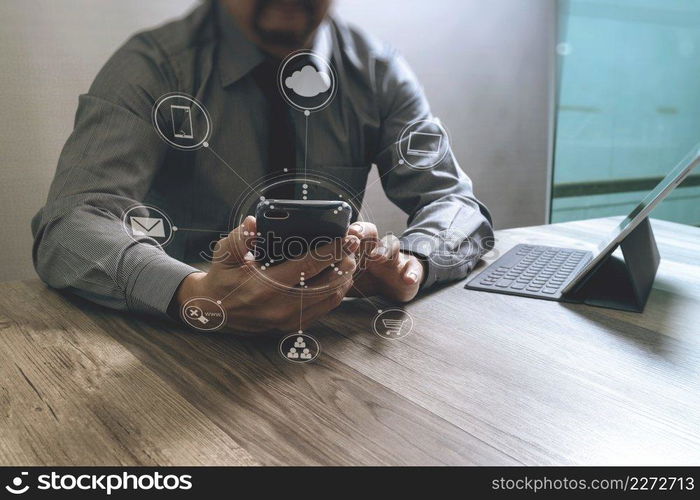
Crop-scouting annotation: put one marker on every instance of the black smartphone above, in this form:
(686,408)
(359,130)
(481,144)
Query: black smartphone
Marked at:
(291,228)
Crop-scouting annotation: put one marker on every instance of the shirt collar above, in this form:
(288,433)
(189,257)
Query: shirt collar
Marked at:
(323,41)
(238,55)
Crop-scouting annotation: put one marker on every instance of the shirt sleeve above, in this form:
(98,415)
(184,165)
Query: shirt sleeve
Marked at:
(447,225)
(107,166)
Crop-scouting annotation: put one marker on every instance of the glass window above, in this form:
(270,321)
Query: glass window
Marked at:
(628,106)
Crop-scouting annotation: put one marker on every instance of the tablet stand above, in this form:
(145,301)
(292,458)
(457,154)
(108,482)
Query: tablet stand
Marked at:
(622,283)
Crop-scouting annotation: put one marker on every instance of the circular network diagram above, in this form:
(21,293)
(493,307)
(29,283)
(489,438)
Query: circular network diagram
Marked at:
(423,144)
(202,313)
(392,324)
(299,348)
(182,121)
(307,81)
(148,222)
(314,185)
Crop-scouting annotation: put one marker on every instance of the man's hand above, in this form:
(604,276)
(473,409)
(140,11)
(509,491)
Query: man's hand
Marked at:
(387,270)
(255,306)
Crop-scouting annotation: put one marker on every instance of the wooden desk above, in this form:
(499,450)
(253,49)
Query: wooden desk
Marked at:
(483,379)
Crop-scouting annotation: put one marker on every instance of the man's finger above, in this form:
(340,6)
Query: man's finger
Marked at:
(312,263)
(387,249)
(364,230)
(330,278)
(412,271)
(318,309)
(367,233)
(233,250)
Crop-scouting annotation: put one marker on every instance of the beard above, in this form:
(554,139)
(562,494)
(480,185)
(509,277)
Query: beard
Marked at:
(269,21)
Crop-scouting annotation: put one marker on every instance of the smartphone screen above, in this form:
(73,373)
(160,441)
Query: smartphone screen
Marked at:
(293,227)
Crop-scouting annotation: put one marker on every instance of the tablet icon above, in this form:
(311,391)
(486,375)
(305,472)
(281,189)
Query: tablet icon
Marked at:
(181,117)
(182,121)
(16,487)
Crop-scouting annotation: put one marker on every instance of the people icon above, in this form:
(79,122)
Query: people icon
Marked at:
(299,348)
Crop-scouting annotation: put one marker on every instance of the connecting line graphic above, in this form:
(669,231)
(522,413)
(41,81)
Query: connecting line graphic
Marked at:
(231,169)
(178,228)
(401,162)
(306,141)
(366,298)
(301,308)
(240,285)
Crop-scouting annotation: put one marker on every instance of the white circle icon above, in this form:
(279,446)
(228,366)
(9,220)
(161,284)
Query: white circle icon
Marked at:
(181,121)
(299,348)
(392,324)
(423,144)
(148,222)
(447,248)
(202,313)
(307,81)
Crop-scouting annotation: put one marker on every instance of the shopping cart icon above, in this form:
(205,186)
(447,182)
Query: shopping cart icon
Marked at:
(393,326)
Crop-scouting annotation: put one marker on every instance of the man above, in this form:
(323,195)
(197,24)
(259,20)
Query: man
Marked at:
(224,54)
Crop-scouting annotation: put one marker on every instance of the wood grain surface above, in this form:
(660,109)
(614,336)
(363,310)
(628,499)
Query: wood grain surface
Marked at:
(482,379)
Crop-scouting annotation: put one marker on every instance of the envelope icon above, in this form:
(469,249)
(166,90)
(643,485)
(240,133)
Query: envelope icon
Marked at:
(148,226)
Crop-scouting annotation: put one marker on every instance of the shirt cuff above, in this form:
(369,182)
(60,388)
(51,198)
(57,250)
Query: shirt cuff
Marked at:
(152,286)
(441,267)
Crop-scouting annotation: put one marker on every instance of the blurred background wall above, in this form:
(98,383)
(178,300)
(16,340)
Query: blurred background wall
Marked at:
(486,68)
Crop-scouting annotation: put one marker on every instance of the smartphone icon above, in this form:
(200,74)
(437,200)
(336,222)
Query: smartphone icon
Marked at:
(182,121)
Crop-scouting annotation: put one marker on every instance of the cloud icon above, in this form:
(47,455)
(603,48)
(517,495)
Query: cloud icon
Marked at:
(308,82)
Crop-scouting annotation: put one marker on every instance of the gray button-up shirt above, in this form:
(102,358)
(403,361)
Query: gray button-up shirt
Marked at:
(115,159)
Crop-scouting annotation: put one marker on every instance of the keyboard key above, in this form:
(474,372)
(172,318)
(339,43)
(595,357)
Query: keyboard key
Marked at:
(536,269)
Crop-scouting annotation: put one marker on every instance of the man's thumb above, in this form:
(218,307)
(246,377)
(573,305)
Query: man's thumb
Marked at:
(232,250)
